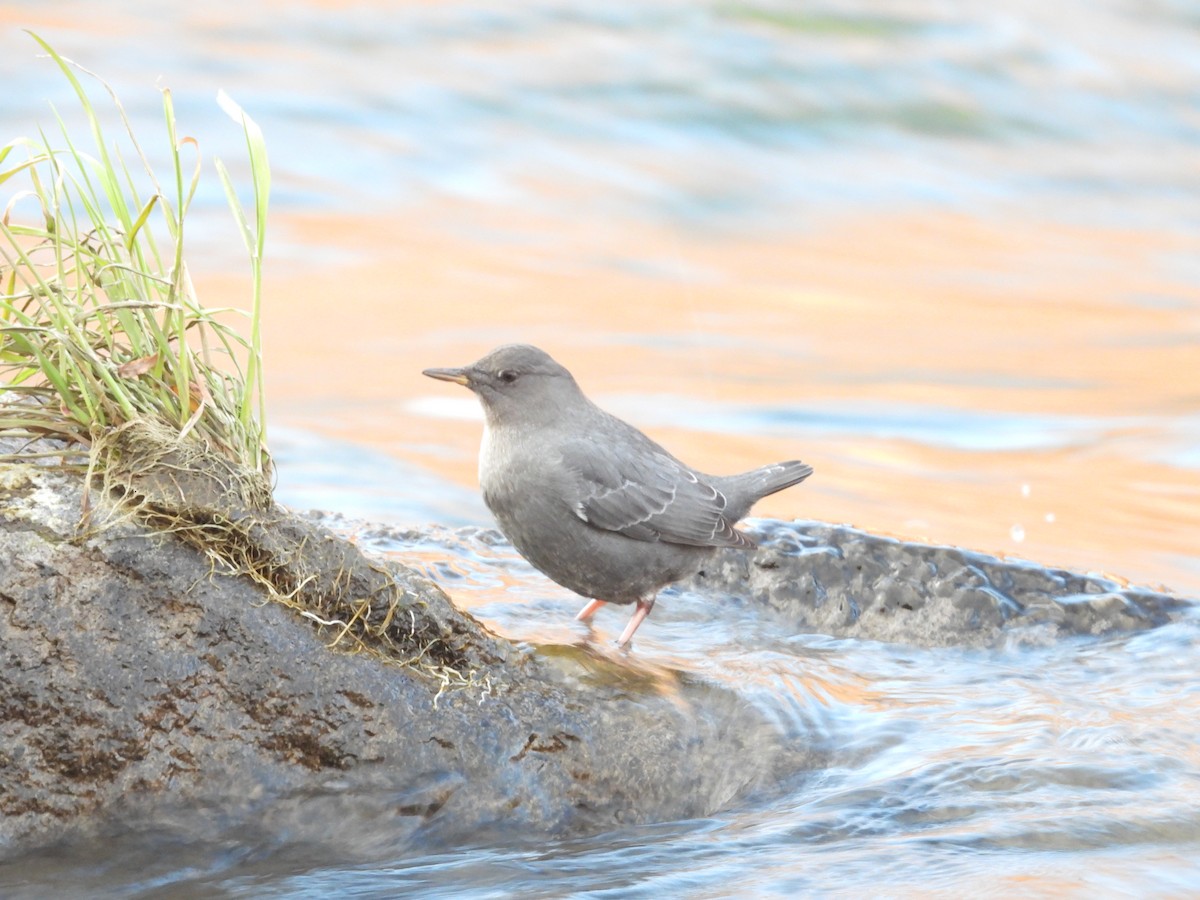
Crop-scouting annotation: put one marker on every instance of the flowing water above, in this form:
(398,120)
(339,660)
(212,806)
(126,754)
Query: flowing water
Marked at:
(947,253)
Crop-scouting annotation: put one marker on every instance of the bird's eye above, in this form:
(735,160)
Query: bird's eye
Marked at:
(508,376)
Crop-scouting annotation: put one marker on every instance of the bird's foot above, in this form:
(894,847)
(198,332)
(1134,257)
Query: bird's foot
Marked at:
(639,616)
(590,610)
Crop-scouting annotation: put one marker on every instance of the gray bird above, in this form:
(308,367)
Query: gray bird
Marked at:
(587,498)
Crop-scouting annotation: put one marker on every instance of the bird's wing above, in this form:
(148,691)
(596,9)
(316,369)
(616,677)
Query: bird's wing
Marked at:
(647,495)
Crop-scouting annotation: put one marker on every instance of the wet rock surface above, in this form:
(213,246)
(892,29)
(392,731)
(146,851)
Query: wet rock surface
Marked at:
(142,687)
(139,684)
(844,582)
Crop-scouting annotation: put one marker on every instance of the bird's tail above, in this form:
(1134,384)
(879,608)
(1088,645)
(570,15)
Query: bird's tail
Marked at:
(770,479)
(748,488)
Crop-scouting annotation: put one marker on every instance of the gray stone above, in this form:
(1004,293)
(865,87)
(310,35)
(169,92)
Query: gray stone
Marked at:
(140,684)
(844,582)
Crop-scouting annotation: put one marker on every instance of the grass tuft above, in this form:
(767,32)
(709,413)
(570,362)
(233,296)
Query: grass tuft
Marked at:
(100,325)
(108,360)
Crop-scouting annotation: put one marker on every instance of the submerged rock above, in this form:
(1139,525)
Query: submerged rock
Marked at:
(841,581)
(141,685)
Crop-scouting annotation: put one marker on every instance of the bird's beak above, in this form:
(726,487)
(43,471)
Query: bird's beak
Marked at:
(458,376)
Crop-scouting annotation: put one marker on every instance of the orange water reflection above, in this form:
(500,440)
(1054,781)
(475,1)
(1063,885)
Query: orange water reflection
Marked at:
(934,311)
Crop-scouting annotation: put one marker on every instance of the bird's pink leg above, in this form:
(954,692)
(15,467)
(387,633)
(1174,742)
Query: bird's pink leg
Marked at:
(590,610)
(643,609)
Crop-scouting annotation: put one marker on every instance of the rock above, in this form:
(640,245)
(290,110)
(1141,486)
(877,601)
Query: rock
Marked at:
(141,684)
(844,582)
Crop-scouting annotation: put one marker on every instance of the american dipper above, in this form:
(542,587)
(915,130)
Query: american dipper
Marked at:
(590,500)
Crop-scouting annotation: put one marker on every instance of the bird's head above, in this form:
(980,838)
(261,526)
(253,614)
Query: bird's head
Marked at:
(516,383)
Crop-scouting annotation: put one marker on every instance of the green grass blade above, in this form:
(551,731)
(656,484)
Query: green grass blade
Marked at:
(98,325)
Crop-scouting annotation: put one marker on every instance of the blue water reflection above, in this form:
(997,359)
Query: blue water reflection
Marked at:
(725,113)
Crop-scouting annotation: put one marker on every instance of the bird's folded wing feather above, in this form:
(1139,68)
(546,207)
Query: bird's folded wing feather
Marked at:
(648,496)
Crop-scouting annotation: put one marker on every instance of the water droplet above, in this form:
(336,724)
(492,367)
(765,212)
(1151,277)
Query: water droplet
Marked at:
(1050,517)
(1025,490)
(1017,533)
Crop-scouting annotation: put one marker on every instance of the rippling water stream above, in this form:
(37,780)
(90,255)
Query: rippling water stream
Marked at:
(950,253)
(1067,768)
